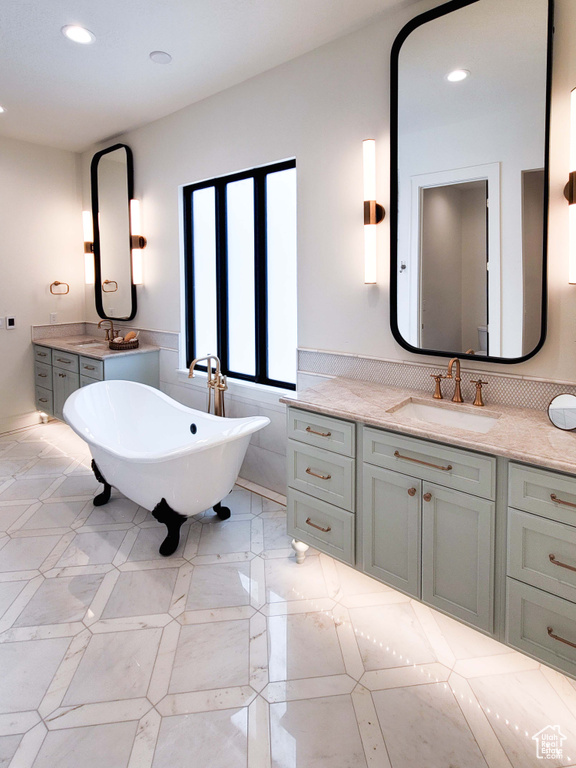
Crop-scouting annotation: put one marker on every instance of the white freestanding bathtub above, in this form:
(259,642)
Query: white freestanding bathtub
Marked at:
(166,457)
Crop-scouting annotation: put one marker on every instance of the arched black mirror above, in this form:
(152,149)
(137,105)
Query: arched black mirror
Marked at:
(112,184)
(469,179)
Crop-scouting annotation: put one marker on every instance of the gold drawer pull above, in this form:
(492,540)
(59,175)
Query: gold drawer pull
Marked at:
(61,360)
(42,375)
(318,527)
(42,354)
(322,477)
(62,375)
(320,434)
(411,491)
(42,399)
(562,565)
(560,639)
(89,367)
(398,455)
(561,501)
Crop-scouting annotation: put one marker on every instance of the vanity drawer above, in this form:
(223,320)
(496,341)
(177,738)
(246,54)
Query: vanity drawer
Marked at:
(43,375)
(542,553)
(321,525)
(43,354)
(86,380)
(322,431)
(542,625)
(65,361)
(461,470)
(322,474)
(543,493)
(92,368)
(44,399)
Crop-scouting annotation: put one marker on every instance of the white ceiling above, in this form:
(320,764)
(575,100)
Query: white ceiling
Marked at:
(66,95)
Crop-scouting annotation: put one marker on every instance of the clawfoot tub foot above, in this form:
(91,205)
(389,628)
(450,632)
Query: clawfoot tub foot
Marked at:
(104,497)
(222,512)
(173,521)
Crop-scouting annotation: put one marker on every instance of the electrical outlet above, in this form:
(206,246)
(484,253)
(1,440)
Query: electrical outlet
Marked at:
(53,316)
(10,323)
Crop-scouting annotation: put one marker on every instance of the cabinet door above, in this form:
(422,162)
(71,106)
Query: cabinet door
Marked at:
(64,383)
(391,528)
(458,554)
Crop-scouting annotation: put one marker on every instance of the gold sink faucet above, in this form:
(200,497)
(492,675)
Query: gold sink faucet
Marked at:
(216,383)
(110,332)
(457,391)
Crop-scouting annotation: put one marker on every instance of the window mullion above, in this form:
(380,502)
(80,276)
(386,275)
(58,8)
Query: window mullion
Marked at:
(222,277)
(189,275)
(260,276)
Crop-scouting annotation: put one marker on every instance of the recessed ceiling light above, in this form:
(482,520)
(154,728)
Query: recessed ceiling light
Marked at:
(457,75)
(160,57)
(78,34)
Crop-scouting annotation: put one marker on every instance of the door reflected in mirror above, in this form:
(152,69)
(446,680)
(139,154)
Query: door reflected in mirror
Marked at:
(469,196)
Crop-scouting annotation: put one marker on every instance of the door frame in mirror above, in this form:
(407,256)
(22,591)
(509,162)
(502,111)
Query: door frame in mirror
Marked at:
(418,21)
(97,254)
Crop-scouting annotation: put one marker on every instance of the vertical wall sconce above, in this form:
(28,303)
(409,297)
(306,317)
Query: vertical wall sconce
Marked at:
(373,212)
(137,242)
(570,192)
(88,229)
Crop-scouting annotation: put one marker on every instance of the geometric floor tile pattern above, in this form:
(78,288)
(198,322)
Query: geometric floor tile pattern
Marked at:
(228,654)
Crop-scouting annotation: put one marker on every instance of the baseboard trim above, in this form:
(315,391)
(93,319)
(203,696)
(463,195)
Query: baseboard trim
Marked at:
(16,423)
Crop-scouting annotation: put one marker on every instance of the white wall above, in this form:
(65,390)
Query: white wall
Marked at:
(318,108)
(40,241)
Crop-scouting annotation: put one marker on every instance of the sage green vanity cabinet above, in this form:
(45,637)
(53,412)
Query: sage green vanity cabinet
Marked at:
(431,540)
(391,528)
(63,384)
(490,542)
(458,554)
(541,574)
(57,374)
(321,483)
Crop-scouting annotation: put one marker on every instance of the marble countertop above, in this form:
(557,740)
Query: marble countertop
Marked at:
(519,433)
(99,351)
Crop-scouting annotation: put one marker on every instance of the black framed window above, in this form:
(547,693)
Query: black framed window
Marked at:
(240,270)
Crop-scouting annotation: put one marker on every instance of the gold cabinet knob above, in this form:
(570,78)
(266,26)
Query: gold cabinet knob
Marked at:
(427,497)
(411,491)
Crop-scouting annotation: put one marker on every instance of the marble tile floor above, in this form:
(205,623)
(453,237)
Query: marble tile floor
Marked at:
(228,654)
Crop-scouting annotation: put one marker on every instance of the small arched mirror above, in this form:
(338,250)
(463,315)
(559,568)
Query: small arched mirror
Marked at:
(112,183)
(562,411)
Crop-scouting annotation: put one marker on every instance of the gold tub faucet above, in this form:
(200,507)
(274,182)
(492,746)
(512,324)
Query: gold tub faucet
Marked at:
(216,383)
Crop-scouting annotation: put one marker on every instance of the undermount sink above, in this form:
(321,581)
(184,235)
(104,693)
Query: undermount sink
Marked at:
(88,343)
(446,414)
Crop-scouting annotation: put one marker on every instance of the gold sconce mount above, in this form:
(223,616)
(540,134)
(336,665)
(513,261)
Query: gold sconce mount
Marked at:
(570,188)
(138,242)
(373,212)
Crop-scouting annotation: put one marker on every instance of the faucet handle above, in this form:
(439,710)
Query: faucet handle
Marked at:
(438,379)
(478,399)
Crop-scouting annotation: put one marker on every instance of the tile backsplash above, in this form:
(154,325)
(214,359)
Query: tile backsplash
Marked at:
(502,388)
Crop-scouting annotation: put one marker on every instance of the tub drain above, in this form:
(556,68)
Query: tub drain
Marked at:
(193,428)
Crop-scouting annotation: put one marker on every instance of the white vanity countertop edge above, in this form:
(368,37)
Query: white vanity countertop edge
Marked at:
(520,433)
(100,352)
